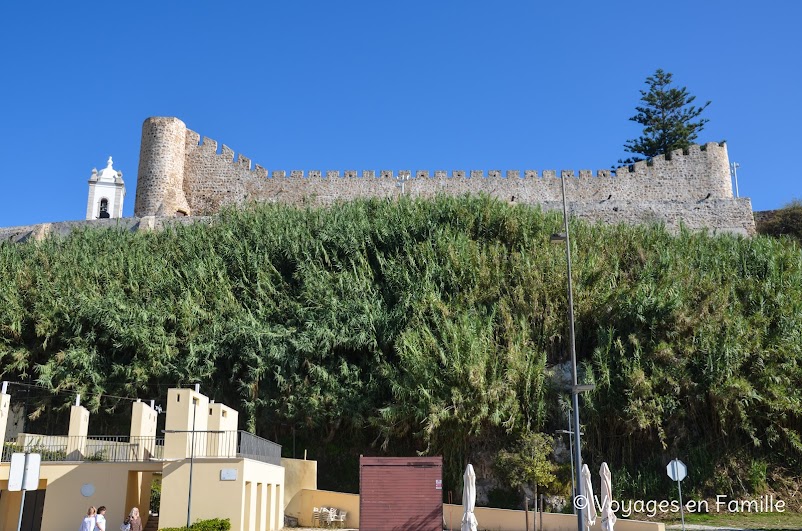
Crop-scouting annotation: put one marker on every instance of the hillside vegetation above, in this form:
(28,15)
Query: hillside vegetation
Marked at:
(785,222)
(431,326)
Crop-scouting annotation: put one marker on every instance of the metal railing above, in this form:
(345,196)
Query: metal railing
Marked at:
(122,448)
(222,444)
(200,443)
(253,447)
(105,448)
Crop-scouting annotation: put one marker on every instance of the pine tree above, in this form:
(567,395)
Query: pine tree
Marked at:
(668,118)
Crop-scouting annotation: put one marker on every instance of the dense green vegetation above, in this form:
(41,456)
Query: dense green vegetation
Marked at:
(215,524)
(432,326)
(786,221)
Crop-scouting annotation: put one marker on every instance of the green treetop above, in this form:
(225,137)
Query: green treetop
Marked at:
(668,118)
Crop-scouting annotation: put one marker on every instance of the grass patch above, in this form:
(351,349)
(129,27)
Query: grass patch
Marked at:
(758,521)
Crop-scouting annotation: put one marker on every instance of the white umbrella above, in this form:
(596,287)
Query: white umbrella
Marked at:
(469,522)
(587,490)
(607,514)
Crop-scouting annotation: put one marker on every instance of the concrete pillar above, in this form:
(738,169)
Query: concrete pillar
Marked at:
(261,506)
(270,506)
(76,436)
(222,419)
(143,430)
(184,405)
(278,523)
(5,409)
(250,507)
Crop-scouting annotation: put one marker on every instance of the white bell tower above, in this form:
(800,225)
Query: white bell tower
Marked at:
(106,193)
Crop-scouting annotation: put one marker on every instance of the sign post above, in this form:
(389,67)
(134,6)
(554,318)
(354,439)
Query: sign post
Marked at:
(677,471)
(23,475)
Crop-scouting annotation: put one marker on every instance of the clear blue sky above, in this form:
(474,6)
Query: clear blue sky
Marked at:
(437,84)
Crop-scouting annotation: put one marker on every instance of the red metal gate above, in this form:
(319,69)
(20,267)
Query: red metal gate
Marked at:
(400,493)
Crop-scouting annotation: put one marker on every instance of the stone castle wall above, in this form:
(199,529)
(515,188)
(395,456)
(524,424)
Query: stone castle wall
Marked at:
(181,173)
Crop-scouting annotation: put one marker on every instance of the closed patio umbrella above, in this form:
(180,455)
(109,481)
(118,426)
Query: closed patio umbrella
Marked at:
(587,490)
(607,515)
(469,522)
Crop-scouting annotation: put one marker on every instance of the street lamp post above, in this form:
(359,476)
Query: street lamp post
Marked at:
(575,389)
(570,433)
(191,459)
(734,166)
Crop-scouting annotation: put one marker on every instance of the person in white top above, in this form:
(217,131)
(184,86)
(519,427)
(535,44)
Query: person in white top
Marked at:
(88,523)
(100,521)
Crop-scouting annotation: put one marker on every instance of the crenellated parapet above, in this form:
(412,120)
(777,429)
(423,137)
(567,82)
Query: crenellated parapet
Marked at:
(182,173)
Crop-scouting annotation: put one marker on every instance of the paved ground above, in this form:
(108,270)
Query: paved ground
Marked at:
(688,527)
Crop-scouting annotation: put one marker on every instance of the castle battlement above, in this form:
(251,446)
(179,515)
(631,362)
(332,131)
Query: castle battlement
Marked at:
(182,173)
(208,147)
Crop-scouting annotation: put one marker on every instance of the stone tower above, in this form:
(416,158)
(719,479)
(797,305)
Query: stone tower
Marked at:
(106,193)
(159,185)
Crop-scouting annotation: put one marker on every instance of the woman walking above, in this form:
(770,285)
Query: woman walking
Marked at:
(134,521)
(88,523)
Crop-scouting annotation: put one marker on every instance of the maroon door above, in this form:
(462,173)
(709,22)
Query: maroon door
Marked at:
(400,493)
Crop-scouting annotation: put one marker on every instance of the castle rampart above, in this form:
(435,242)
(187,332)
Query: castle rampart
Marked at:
(182,174)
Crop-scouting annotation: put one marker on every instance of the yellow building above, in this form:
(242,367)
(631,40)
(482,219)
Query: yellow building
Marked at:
(231,474)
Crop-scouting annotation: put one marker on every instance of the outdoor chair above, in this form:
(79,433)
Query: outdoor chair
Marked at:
(325,516)
(340,518)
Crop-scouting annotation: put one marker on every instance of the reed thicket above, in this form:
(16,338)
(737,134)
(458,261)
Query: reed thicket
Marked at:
(433,326)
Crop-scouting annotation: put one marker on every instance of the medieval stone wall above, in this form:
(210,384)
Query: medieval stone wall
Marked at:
(181,173)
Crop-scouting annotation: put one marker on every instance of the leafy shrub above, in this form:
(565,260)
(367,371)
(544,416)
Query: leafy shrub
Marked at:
(156,493)
(100,455)
(758,472)
(215,524)
(48,453)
